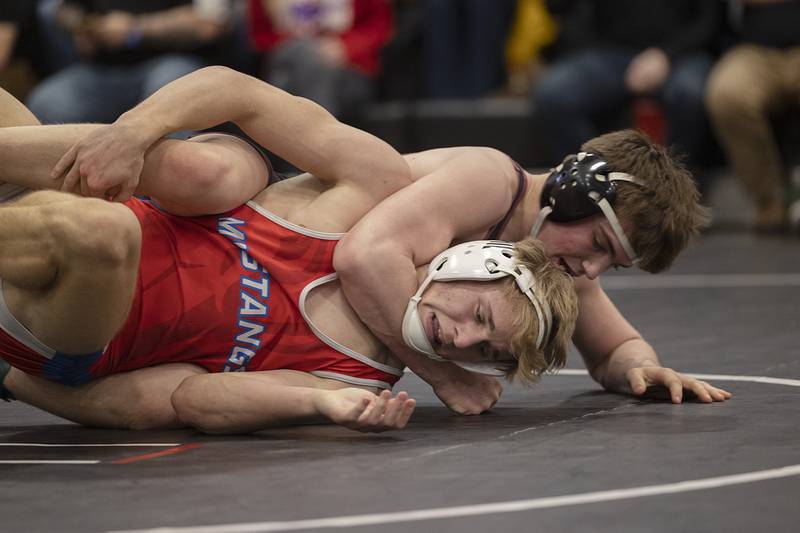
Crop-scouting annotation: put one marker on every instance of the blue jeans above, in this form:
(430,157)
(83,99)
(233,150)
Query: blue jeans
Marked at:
(296,66)
(464,44)
(89,92)
(579,90)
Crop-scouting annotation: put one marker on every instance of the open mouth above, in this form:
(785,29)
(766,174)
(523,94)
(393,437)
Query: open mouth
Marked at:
(434,331)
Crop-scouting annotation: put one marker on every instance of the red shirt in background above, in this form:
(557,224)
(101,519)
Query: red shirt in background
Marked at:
(363,26)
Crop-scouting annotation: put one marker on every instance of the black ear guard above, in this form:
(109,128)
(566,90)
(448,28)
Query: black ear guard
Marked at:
(580,187)
(574,188)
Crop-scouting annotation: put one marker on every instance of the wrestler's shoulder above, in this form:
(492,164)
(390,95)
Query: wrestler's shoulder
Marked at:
(480,158)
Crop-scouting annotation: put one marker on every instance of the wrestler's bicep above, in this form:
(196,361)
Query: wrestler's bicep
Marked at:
(460,200)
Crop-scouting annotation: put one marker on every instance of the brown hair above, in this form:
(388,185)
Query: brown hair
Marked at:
(660,217)
(554,288)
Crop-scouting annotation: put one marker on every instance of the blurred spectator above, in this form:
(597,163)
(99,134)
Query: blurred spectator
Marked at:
(402,74)
(128,50)
(532,29)
(20,54)
(325,50)
(754,82)
(464,46)
(621,50)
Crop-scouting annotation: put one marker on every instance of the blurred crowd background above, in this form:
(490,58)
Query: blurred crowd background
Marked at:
(717,80)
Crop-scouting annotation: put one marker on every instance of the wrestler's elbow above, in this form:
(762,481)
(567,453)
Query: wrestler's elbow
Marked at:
(219,73)
(192,408)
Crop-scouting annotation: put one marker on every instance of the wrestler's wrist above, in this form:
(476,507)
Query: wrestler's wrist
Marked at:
(5,394)
(319,400)
(142,130)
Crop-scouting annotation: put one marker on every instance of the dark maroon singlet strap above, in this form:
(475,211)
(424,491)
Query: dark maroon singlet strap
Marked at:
(496,230)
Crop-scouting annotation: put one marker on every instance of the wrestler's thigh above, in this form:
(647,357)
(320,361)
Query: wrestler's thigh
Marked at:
(94,247)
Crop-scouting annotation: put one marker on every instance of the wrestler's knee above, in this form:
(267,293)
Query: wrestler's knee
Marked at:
(94,232)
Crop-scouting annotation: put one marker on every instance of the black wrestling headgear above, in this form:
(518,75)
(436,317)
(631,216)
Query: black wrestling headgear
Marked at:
(580,187)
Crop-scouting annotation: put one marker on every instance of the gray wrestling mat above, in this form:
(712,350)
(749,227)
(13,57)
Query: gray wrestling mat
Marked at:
(561,457)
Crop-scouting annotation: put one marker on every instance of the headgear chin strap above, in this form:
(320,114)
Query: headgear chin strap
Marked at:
(475,261)
(580,187)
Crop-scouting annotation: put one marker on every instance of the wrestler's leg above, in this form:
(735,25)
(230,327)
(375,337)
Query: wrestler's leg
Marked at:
(140,399)
(212,174)
(69,266)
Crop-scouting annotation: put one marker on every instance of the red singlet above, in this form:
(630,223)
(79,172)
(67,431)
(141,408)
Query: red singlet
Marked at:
(222,292)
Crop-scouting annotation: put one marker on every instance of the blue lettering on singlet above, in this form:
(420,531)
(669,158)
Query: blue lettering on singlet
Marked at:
(253,296)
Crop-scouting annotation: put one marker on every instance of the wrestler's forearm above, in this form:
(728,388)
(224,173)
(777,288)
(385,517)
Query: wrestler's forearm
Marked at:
(378,285)
(213,95)
(228,404)
(296,129)
(386,326)
(28,153)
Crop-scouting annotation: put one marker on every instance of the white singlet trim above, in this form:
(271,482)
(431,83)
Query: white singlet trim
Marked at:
(332,343)
(350,379)
(12,326)
(292,226)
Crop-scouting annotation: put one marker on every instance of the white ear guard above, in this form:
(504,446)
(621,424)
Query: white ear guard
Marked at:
(474,261)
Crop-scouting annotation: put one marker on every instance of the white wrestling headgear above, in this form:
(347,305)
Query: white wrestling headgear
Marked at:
(475,261)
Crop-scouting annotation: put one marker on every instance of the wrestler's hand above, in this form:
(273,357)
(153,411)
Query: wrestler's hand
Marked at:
(363,411)
(645,379)
(106,163)
(467,393)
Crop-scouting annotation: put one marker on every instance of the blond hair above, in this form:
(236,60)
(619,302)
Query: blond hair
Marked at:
(554,288)
(661,216)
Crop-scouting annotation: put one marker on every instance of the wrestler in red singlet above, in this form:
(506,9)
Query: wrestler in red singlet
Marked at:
(222,292)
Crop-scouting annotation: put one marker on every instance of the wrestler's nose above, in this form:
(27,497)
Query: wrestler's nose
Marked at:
(467,335)
(595,266)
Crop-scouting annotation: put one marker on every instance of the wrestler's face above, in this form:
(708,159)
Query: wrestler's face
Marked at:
(586,247)
(469,321)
